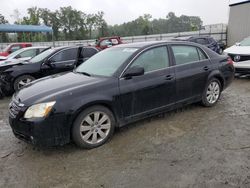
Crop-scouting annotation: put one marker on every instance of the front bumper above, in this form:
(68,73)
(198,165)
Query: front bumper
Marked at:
(51,131)
(5,87)
(242,67)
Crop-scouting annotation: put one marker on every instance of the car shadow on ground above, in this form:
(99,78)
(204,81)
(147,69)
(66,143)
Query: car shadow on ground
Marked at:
(119,133)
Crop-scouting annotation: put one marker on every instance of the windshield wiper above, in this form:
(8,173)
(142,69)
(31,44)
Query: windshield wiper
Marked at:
(84,73)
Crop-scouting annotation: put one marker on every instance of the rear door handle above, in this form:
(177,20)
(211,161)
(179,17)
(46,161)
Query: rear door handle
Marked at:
(169,77)
(206,68)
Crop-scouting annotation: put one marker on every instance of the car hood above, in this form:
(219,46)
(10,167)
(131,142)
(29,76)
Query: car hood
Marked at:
(10,63)
(239,50)
(52,87)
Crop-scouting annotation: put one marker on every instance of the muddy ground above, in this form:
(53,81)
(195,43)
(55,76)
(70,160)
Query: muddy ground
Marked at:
(192,147)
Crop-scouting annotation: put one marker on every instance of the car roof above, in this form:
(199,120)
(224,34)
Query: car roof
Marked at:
(35,47)
(152,43)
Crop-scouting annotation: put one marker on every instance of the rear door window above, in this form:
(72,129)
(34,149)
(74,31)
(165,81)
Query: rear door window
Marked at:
(185,54)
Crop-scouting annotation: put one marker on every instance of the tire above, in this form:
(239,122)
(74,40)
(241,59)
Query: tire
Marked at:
(210,98)
(93,127)
(21,81)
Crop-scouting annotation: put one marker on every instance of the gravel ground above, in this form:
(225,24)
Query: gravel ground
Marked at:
(190,147)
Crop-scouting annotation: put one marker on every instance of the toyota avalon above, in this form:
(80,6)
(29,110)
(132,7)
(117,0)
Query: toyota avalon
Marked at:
(115,87)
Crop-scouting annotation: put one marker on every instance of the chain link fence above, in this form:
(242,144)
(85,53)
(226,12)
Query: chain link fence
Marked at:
(217,31)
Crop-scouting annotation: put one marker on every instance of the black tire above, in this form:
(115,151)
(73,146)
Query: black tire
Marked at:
(17,81)
(205,101)
(78,135)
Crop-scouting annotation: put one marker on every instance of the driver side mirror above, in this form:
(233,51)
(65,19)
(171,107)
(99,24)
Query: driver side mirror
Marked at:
(237,44)
(134,71)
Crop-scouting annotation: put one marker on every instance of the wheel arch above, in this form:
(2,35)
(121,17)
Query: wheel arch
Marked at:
(105,103)
(216,74)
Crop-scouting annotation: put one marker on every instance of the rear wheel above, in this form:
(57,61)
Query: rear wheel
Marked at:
(212,92)
(93,127)
(22,81)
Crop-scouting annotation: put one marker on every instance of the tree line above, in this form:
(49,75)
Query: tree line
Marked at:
(72,24)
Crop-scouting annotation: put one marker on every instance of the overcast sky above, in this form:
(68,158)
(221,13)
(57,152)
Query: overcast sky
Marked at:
(120,11)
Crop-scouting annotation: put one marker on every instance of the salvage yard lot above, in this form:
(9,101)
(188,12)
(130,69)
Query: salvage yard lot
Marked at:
(190,147)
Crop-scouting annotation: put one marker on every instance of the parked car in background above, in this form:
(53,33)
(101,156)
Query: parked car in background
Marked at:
(51,61)
(203,40)
(240,54)
(23,54)
(106,42)
(115,87)
(14,47)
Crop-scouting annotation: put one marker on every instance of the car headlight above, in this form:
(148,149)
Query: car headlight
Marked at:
(39,110)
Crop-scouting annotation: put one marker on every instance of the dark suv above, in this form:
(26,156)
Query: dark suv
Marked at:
(52,61)
(203,40)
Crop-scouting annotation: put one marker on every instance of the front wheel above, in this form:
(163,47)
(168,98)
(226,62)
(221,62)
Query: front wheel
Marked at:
(22,81)
(93,127)
(212,93)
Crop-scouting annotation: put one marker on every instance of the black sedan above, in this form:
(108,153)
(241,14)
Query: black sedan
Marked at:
(13,76)
(115,87)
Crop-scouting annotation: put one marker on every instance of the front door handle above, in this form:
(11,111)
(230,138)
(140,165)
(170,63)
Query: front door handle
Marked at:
(169,77)
(206,68)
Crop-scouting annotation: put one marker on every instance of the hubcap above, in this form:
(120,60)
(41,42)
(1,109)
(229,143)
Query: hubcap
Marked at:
(95,127)
(24,82)
(213,92)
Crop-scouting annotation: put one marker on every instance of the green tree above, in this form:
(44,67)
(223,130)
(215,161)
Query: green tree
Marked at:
(4,36)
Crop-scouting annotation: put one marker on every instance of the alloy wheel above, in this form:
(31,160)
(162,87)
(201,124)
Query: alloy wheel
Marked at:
(213,92)
(95,127)
(23,82)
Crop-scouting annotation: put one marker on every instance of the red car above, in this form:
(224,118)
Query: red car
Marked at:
(106,42)
(14,47)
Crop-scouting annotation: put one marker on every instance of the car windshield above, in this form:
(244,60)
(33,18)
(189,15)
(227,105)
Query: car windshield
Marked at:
(12,55)
(245,42)
(107,62)
(41,56)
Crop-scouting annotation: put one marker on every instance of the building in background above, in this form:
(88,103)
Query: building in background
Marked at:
(239,21)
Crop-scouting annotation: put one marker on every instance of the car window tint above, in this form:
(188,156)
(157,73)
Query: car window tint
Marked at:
(185,54)
(201,54)
(65,55)
(88,52)
(153,59)
(28,53)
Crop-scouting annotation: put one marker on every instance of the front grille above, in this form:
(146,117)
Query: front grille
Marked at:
(242,70)
(239,58)
(14,109)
